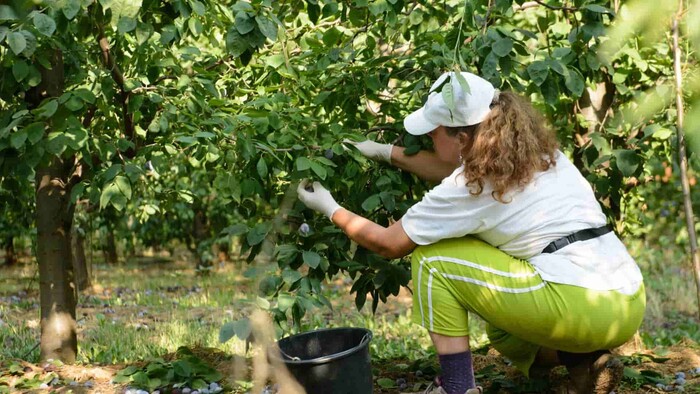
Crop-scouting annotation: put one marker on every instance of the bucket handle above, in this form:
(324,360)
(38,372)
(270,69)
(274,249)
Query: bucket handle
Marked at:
(288,356)
(366,338)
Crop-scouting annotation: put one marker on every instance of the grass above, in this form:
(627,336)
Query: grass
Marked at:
(143,310)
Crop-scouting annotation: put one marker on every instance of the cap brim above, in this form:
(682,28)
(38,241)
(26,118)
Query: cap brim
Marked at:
(417,124)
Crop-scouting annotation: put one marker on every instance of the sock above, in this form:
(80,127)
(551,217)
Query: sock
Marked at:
(457,373)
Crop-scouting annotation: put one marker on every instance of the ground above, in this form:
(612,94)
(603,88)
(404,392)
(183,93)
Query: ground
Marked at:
(151,307)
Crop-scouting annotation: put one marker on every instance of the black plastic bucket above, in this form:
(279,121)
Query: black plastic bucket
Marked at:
(330,361)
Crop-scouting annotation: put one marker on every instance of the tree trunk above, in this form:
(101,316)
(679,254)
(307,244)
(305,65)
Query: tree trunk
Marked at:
(54,217)
(201,235)
(53,223)
(111,256)
(10,254)
(80,268)
(682,158)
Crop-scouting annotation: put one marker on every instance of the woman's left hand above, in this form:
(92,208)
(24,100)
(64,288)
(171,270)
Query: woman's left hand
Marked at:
(317,198)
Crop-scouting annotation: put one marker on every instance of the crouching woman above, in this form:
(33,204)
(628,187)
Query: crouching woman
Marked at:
(512,233)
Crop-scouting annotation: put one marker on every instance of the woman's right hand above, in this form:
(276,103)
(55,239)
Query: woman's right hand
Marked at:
(373,150)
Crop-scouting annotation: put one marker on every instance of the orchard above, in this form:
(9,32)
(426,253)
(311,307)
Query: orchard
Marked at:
(181,129)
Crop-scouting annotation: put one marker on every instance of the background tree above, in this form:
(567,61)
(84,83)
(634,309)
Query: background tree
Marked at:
(232,102)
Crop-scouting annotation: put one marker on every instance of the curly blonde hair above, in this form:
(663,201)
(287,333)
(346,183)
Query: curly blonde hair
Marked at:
(508,147)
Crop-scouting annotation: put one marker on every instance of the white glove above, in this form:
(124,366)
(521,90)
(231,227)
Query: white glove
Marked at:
(373,150)
(317,198)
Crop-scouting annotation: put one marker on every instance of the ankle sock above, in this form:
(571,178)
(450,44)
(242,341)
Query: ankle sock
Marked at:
(457,372)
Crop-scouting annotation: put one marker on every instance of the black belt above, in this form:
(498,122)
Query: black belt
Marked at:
(580,235)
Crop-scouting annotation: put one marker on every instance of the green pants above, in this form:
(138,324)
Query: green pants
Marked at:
(455,277)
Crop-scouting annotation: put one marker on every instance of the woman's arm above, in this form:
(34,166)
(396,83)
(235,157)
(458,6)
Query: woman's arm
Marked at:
(424,164)
(390,242)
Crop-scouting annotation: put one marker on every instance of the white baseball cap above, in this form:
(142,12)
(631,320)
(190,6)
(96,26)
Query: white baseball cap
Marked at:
(470,106)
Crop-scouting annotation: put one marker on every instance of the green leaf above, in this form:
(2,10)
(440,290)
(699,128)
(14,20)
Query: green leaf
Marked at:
(331,36)
(574,82)
(126,24)
(111,172)
(257,234)
(77,136)
(76,192)
(85,95)
(262,303)
(598,9)
(388,200)
(312,259)
(267,27)
(285,301)
(121,8)
(538,72)
(35,131)
(627,161)
(226,332)
(7,13)
(319,170)
(557,66)
(199,384)
(290,276)
(74,103)
(274,61)
(18,138)
(70,8)
(140,379)
(107,195)
(30,42)
(56,143)
(371,202)
(124,186)
(240,328)
(20,70)
(44,24)
(199,8)
(195,26)
(448,96)
(502,47)
(128,371)
(244,23)
(236,44)
(17,42)
(386,383)
(262,168)
(144,31)
(302,163)
(462,82)
(153,383)
(663,133)
(46,109)
(182,368)
(236,229)
(3,32)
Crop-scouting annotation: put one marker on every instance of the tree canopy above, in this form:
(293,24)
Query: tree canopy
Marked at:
(195,119)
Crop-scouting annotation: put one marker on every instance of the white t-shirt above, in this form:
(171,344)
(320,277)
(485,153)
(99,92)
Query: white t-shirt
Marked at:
(556,203)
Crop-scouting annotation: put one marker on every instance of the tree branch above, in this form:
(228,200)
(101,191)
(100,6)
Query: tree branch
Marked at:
(682,157)
(118,78)
(537,3)
(89,115)
(162,78)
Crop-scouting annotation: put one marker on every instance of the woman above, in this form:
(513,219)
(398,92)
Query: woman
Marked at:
(513,233)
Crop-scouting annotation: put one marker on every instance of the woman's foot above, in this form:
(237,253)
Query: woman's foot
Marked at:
(440,390)
(597,372)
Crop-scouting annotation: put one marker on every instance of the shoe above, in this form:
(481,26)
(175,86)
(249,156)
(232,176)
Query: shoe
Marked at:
(597,372)
(434,388)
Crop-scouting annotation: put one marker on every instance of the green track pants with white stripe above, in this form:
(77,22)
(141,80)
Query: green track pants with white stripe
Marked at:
(455,277)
